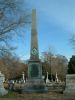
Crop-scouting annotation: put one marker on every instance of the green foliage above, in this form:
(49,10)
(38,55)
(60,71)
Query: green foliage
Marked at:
(71,65)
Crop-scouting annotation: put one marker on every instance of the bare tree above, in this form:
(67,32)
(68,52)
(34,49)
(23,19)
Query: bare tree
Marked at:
(72,41)
(13,15)
(61,66)
(54,64)
(48,59)
(12,66)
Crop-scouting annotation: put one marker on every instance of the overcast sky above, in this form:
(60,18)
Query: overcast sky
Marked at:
(55,25)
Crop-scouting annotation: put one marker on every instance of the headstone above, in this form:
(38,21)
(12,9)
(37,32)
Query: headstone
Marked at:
(11,85)
(2,89)
(35,83)
(47,80)
(70,84)
(56,77)
(23,77)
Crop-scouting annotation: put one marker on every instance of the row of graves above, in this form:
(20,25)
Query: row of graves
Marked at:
(67,87)
(16,85)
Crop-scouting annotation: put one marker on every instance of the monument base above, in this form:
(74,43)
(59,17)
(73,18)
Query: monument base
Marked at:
(34,86)
(70,84)
(3,91)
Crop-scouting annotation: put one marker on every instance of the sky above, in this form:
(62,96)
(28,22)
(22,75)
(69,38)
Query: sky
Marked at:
(55,26)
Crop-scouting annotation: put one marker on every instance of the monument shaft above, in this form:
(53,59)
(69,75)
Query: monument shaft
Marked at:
(34,69)
(35,82)
(34,40)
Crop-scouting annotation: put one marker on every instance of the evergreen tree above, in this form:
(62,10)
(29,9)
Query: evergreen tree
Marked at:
(71,65)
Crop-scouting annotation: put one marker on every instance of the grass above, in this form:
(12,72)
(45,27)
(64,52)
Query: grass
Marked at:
(36,96)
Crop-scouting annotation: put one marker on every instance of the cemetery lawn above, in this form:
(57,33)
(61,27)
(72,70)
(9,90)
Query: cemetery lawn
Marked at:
(37,96)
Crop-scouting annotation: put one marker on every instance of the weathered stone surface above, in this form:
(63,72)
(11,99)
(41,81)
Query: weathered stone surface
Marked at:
(56,87)
(70,84)
(47,80)
(34,85)
(2,89)
(35,82)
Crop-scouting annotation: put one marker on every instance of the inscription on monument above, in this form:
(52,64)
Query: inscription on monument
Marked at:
(34,70)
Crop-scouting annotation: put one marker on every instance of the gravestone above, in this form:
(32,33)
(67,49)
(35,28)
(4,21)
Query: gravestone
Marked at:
(2,89)
(47,80)
(11,85)
(56,78)
(35,83)
(70,84)
(23,77)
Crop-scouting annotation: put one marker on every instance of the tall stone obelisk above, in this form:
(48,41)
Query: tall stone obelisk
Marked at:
(35,82)
(34,41)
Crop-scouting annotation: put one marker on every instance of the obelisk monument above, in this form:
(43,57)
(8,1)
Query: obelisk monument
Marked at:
(34,41)
(35,82)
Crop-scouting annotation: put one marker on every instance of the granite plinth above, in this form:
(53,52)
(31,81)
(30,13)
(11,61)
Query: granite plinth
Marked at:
(34,86)
(70,84)
(2,89)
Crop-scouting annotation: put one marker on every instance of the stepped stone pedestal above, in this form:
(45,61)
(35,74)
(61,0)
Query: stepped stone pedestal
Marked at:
(35,83)
(70,84)
(35,86)
(2,89)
